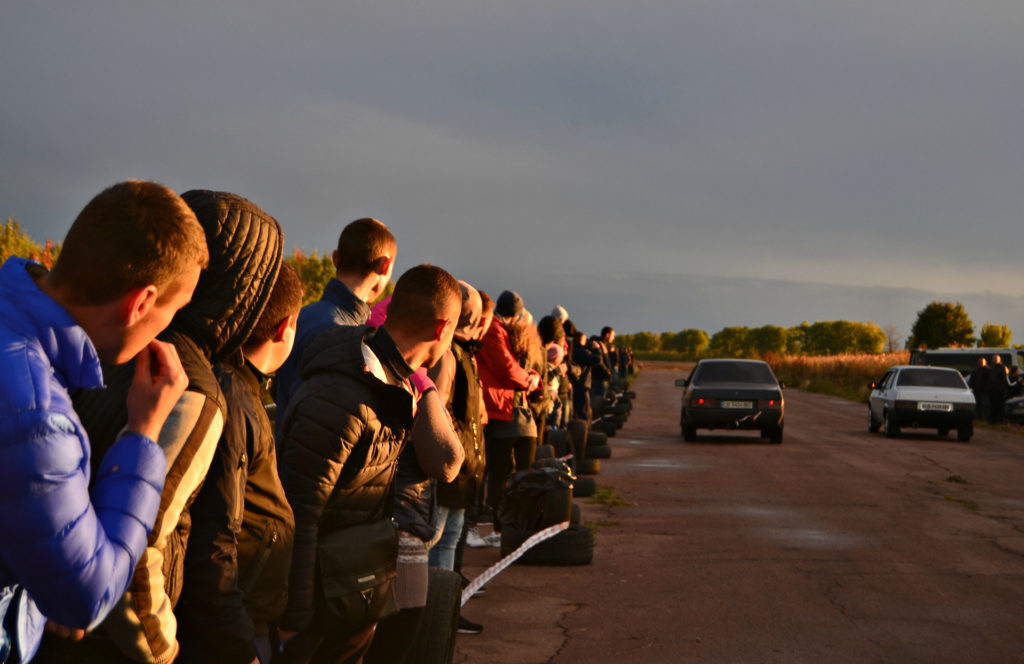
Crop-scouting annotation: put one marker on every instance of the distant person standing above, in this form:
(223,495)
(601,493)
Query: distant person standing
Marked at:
(997,386)
(976,381)
(364,262)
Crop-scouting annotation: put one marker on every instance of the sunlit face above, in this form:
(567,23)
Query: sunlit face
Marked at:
(138,335)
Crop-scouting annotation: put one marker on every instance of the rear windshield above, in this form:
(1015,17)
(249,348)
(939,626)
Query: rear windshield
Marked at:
(728,372)
(930,378)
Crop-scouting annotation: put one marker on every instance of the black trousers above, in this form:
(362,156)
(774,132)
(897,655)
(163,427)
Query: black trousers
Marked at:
(505,456)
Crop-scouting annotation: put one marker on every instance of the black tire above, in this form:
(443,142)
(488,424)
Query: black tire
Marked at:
(891,428)
(596,438)
(583,487)
(578,437)
(964,432)
(599,451)
(775,435)
(943,432)
(873,424)
(435,638)
(576,515)
(588,466)
(544,452)
(559,440)
(605,427)
(574,546)
(689,432)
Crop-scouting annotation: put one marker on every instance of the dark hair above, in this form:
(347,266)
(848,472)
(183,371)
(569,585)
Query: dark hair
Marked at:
(551,330)
(606,330)
(423,295)
(285,300)
(570,329)
(130,235)
(361,243)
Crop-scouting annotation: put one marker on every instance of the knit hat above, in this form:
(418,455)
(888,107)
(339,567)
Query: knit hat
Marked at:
(560,313)
(509,304)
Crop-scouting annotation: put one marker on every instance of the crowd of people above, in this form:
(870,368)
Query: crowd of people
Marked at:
(196,468)
(992,384)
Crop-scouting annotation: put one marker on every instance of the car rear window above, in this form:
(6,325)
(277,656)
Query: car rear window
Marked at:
(739,372)
(930,378)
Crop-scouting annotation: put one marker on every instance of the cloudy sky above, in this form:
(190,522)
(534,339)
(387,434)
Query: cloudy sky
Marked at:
(650,165)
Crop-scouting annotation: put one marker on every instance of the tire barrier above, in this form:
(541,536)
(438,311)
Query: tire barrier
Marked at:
(497,568)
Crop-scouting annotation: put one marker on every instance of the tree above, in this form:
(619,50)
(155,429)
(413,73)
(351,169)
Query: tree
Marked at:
(892,338)
(15,242)
(688,343)
(941,324)
(646,342)
(314,271)
(730,342)
(995,336)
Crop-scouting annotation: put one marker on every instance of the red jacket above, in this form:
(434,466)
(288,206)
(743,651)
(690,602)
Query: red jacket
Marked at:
(500,372)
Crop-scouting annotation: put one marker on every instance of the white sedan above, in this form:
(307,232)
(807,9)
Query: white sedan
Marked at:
(921,396)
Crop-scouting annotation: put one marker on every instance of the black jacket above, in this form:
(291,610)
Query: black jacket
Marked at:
(341,437)
(464,405)
(238,559)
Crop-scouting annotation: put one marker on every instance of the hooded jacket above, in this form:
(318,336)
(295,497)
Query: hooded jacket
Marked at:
(245,245)
(341,438)
(65,551)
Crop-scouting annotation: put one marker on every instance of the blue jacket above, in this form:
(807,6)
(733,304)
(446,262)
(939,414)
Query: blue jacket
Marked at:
(337,306)
(65,553)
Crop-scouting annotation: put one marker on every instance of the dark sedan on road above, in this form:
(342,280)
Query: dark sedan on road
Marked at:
(732,394)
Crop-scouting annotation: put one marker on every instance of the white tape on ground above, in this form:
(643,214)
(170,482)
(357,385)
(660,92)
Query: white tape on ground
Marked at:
(496,569)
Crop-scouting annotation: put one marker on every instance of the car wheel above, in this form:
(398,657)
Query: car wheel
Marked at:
(891,428)
(775,435)
(689,432)
(943,432)
(873,424)
(964,432)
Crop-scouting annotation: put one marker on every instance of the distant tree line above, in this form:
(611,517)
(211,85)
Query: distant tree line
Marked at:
(938,325)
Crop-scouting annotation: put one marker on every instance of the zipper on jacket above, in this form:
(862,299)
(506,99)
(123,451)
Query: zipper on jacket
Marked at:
(240,476)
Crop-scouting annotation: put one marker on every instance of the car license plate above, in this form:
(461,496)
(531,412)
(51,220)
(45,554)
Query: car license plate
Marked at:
(935,406)
(744,405)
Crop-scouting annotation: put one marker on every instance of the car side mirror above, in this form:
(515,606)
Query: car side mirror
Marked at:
(681,382)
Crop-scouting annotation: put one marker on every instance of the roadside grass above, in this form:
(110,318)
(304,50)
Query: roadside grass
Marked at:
(609,498)
(847,376)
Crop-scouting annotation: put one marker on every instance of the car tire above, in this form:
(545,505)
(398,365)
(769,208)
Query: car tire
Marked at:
(583,487)
(574,546)
(689,432)
(559,440)
(891,428)
(873,424)
(435,637)
(964,432)
(774,435)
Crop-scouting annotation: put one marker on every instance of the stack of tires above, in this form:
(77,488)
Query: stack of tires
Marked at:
(536,499)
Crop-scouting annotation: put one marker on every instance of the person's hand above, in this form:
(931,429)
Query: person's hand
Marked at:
(534,381)
(421,381)
(158,383)
(65,632)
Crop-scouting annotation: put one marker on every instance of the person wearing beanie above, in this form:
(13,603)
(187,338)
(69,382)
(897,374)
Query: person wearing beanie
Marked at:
(559,313)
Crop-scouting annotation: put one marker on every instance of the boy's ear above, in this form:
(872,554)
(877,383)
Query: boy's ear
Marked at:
(440,325)
(136,303)
(283,327)
(381,265)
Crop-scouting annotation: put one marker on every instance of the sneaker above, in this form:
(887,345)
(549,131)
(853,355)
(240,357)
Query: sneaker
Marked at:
(474,540)
(494,539)
(469,627)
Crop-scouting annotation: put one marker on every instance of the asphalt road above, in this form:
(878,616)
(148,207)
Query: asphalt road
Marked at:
(835,546)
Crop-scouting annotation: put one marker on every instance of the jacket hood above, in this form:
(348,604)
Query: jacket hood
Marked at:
(246,245)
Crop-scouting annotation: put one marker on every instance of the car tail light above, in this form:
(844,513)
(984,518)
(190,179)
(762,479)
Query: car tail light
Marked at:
(702,402)
(769,404)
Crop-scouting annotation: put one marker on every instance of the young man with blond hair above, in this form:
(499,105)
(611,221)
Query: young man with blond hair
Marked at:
(129,262)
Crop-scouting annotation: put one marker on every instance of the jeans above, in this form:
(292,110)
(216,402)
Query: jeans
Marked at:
(442,554)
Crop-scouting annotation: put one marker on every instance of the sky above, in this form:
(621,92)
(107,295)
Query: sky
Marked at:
(650,165)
